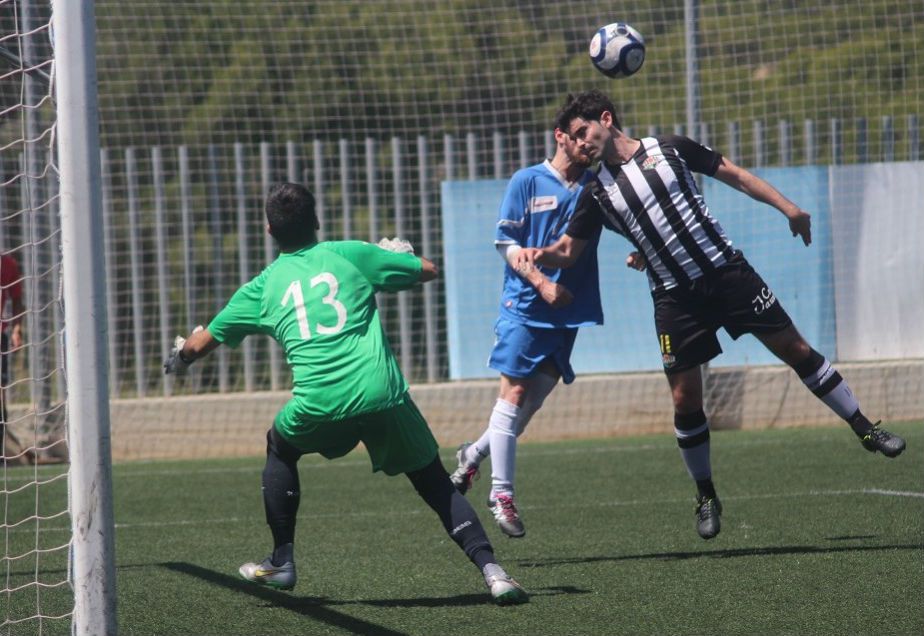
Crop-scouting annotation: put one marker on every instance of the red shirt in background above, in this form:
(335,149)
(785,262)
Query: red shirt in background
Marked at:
(10,283)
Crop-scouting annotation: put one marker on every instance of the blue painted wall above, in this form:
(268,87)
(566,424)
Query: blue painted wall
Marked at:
(800,277)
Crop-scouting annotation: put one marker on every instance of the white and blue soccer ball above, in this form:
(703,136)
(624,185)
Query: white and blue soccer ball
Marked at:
(617,50)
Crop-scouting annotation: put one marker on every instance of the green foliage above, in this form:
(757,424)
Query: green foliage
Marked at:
(219,71)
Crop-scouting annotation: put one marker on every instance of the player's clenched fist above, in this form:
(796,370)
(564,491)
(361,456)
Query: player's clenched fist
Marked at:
(526,258)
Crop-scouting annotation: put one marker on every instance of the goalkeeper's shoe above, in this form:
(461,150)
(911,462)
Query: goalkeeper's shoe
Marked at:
(280,577)
(878,439)
(708,511)
(506,515)
(465,473)
(504,590)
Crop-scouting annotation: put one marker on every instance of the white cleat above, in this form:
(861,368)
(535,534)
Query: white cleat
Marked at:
(505,514)
(281,578)
(464,474)
(506,591)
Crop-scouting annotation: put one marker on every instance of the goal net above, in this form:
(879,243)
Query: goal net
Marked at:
(407,118)
(36,595)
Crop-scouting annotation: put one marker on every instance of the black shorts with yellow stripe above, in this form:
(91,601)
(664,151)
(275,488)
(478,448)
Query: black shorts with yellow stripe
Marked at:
(733,297)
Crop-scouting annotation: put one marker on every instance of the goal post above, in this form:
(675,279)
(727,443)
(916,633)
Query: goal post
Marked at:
(90,479)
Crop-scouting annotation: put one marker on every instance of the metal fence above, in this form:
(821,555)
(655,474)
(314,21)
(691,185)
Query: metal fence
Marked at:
(184,228)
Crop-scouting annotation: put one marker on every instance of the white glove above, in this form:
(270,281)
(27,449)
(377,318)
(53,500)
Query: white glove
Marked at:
(396,245)
(175,362)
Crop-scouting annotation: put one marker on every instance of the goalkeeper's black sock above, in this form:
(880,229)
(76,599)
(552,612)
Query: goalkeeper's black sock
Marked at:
(281,494)
(283,554)
(458,517)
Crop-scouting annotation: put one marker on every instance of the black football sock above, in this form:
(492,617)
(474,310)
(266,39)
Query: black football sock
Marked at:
(455,512)
(705,488)
(281,494)
(860,425)
(283,554)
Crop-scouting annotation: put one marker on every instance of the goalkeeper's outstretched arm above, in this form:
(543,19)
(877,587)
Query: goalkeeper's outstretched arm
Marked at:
(428,270)
(199,344)
(187,350)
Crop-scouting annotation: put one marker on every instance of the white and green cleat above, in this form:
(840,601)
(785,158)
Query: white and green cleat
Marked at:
(278,577)
(504,590)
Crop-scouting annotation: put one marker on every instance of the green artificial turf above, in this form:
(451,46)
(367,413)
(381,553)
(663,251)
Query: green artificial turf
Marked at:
(818,536)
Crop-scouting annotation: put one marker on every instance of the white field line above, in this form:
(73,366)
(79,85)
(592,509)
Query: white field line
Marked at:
(894,493)
(525,451)
(125,471)
(257,517)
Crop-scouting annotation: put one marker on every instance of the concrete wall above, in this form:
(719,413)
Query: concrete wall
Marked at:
(594,406)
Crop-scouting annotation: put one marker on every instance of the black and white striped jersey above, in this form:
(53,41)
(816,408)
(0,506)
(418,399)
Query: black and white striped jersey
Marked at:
(653,200)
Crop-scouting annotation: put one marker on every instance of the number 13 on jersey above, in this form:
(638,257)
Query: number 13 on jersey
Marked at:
(294,293)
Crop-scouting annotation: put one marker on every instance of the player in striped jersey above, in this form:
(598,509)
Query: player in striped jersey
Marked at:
(540,312)
(646,191)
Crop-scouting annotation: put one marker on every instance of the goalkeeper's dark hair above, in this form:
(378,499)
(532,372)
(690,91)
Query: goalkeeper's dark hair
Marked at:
(291,216)
(588,105)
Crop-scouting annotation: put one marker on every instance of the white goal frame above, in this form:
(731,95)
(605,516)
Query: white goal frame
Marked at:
(90,478)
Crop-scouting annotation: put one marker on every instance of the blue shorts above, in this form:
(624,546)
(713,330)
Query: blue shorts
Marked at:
(519,349)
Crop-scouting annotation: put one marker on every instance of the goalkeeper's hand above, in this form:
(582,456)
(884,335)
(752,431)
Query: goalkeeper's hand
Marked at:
(396,245)
(176,363)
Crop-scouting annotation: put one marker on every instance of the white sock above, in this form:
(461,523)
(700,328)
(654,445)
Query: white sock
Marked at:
(829,387)
(697,461)
(692,432)
(541,384)
(503,431)
(479,451)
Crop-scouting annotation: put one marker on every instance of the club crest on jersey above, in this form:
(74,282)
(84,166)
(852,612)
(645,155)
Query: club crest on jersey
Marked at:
(543,204)
(652,161)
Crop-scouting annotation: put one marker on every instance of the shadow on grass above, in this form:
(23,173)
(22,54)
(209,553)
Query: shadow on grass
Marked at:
(313,607)
(318,607)
(720,554)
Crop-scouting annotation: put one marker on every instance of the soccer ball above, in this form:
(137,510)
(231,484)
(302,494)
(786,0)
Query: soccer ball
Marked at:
(617,50)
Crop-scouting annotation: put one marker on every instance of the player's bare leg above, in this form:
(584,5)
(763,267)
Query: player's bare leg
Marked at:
(826,383)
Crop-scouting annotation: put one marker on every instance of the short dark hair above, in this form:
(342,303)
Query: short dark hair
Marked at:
(291,216)
(588,105)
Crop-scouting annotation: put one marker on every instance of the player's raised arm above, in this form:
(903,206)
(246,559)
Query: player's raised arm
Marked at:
(800,223)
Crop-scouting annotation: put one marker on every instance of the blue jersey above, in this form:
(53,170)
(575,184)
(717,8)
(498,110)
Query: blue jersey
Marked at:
(535,212)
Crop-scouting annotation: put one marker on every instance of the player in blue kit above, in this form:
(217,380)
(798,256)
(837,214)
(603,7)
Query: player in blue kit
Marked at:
(540,312)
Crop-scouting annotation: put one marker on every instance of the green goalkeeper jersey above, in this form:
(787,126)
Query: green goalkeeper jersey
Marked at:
(319,304)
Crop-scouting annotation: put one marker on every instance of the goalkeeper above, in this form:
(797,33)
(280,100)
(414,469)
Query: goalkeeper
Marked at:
(318,301)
